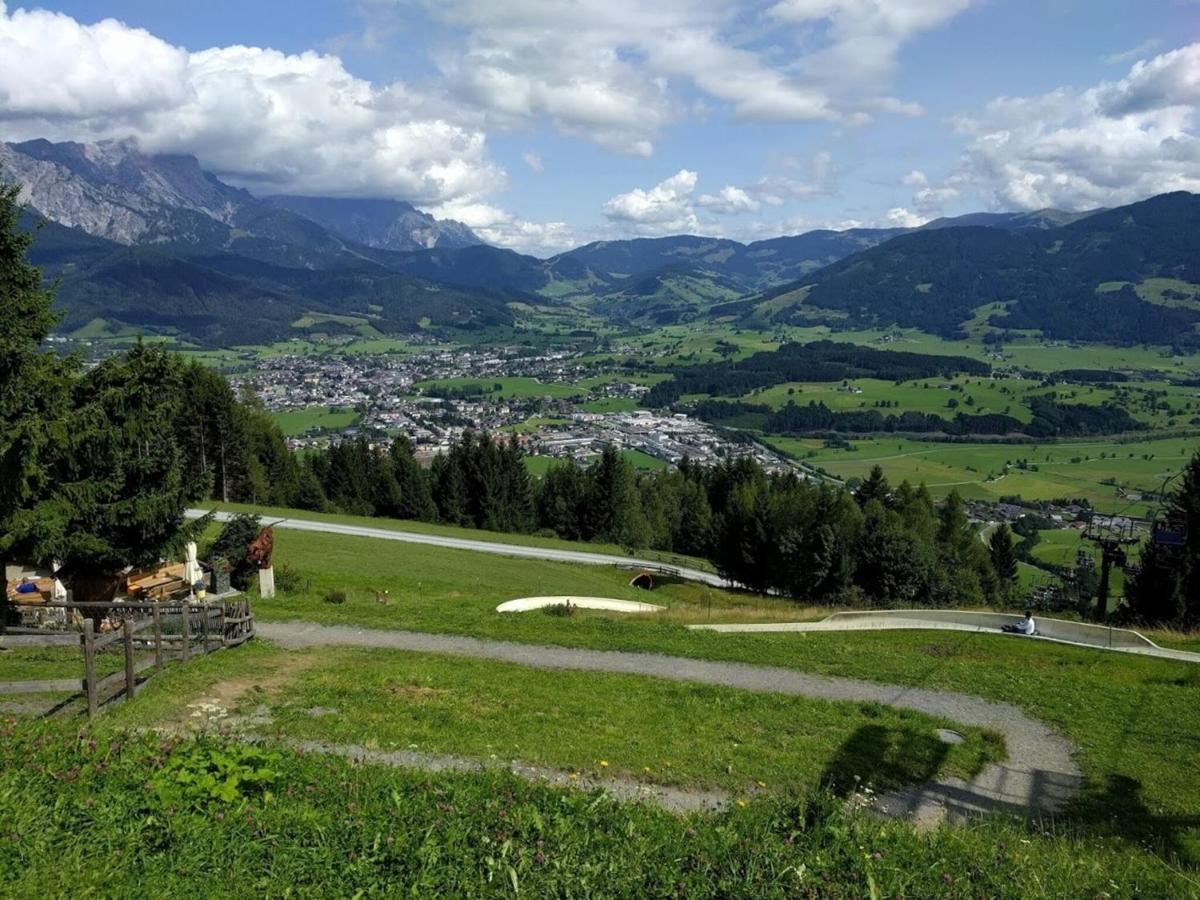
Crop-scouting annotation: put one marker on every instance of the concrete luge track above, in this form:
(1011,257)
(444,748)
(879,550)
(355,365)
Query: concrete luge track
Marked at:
(1059,631)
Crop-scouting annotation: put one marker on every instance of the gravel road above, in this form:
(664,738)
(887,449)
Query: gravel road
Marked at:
(1038,777)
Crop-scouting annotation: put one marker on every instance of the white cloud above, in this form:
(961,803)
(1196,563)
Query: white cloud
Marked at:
(1107,145)
(257,117)
(1133,53)
(729,201)
(865,37)
(496,226)
(671,207)
(901,218)
(930,198)
(798,179)
(52,67)
(665,208)
(534,161)
(613,71)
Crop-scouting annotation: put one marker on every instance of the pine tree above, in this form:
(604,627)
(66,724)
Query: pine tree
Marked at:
(116,485)
(893,568)
(874,488)
(614,501)
(1166,589)
(1004,559)
(561,501)
(34,386)
(964,572)
(449,489)
(416,499)
(212,431)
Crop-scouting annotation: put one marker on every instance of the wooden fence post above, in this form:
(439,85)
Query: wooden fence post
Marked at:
(89,667)
(221,608)
(130,677)
(158,650)
(204,617)
(187,629)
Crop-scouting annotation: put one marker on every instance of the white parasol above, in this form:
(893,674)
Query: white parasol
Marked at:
(58,591)
(191,566)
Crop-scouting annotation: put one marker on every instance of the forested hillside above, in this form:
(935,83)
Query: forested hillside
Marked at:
(1076,282)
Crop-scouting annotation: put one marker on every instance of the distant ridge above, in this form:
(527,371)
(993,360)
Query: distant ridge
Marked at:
(383,224)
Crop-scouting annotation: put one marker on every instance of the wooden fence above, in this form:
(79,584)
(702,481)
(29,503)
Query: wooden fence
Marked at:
(148,637)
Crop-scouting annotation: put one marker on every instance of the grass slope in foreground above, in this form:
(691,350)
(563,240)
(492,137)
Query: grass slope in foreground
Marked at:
(111,814)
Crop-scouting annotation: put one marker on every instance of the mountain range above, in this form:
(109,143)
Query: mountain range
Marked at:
(153,243)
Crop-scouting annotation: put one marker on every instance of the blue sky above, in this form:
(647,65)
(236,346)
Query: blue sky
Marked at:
(545,123)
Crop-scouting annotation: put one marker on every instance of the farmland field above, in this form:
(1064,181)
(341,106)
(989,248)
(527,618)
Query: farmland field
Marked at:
(301,421)
(1069,469)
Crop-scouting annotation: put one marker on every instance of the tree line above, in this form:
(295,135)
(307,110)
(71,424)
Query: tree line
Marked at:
(766,532)
(1050,420)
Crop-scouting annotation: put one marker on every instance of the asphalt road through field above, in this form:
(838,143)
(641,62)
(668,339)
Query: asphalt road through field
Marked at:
(454,543)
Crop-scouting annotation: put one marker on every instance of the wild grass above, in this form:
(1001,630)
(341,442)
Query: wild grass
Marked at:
(89,815)
(51,663)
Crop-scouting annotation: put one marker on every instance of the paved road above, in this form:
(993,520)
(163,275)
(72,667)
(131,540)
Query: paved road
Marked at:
(1039,776)
(455,543)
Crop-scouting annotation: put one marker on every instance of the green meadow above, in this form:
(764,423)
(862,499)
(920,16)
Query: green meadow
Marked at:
(1098,471)
(301,421)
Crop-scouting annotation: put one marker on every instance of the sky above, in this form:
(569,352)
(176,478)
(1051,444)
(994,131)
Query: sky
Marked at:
(545,124)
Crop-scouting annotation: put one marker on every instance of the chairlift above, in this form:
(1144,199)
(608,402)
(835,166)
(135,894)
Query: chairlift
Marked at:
(1166,536)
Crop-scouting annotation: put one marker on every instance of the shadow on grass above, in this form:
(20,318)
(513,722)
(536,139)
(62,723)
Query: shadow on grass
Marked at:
(883,758)
(1115,808)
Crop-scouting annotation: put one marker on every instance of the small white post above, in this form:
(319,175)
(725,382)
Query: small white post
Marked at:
(266,582)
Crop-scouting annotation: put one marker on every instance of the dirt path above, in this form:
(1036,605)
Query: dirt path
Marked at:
(222,697)
(1039,777)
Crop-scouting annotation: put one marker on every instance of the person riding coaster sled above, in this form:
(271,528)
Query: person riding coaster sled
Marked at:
(1025,626)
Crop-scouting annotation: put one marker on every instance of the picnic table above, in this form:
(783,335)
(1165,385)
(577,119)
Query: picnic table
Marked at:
(158,583)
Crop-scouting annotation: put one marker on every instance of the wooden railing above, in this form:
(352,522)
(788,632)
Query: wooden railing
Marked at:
(153,635)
